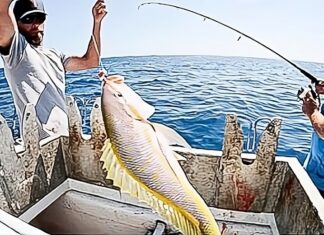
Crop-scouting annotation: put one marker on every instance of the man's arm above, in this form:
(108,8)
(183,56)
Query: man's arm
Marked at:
(91,58)
(7,26)
(311,109)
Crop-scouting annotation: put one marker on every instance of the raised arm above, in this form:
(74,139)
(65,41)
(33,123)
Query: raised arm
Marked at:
(7,26)
(91,58)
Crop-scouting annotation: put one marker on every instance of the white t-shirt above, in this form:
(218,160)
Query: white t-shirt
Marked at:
(36,75)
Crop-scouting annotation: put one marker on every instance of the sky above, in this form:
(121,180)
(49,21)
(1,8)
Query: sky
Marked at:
(294,28)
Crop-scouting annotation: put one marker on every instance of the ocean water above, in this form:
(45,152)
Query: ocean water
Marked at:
(192,94)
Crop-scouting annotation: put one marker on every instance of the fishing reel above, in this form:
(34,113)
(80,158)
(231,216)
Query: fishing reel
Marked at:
(302,92)
(309,90)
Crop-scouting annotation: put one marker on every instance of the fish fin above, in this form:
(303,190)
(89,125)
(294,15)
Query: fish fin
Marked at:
(137,107)
(128,183)
(141,112)
(172,159)
(172,137)
(179,157)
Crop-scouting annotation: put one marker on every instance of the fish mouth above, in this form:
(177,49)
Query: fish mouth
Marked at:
(111,82)
(118,79)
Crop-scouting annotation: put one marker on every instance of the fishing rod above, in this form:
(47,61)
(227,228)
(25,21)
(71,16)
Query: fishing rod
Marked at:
(305,73)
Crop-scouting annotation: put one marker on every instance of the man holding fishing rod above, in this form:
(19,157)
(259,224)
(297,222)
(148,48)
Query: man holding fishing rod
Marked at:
(36,74)
(314,163)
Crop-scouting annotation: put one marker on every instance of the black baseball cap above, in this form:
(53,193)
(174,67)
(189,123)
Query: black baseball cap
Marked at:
(23,8)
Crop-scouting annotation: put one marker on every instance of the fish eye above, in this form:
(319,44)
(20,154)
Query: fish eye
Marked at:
(118,94)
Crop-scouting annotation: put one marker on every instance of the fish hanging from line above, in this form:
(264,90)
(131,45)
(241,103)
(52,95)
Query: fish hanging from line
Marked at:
(140,162)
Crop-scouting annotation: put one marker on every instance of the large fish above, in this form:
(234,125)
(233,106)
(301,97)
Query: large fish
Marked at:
(140,162)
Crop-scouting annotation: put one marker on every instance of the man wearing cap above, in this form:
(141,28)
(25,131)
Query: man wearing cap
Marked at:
(36,74)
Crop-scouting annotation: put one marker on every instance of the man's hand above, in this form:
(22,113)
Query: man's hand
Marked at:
(99,11)
(320,87)
(309,105)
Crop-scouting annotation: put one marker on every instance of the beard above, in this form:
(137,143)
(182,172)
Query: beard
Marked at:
(34,38)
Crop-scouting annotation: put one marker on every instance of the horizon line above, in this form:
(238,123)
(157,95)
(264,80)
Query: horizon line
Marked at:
(212,55)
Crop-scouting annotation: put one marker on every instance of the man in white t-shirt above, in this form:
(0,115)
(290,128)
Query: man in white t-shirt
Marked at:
(36,74)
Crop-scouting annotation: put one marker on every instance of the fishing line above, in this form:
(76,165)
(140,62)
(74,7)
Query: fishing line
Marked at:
(305,73)
(102,71)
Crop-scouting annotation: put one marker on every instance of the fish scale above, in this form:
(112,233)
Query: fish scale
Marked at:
(147,156)
(144,166)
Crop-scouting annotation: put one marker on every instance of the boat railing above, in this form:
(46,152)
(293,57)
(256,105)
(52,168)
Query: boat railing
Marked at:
(251,135)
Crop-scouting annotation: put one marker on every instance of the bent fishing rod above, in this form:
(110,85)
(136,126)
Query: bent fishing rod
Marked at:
(305,73)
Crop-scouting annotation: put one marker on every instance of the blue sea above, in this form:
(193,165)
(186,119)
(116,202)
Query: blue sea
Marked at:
(192,94)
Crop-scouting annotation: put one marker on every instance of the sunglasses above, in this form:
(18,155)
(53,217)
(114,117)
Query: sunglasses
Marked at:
(33,19)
